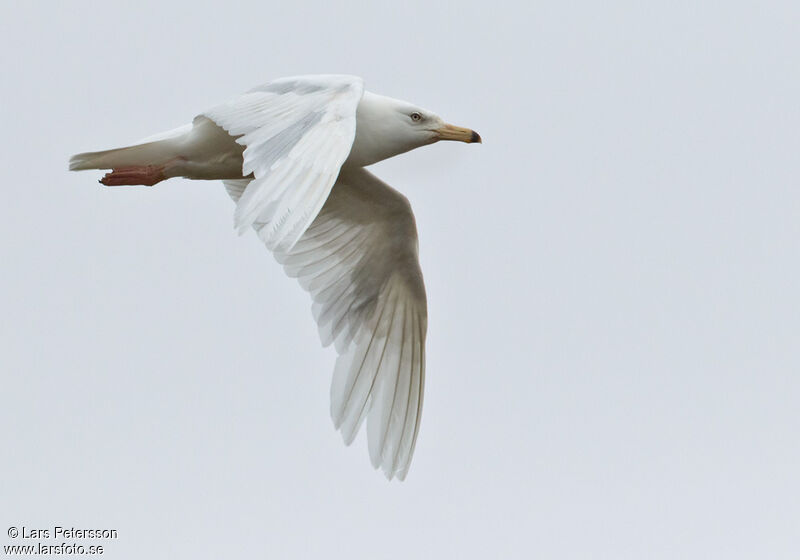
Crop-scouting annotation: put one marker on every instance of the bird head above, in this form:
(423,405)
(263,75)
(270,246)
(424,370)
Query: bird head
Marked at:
(386,127)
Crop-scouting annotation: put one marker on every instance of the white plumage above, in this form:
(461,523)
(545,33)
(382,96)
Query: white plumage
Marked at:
(291,154)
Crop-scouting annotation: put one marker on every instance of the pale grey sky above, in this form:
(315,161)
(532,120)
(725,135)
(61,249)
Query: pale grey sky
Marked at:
(612,281)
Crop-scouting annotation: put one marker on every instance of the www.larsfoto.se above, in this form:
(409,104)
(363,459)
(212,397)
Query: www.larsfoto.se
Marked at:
(63,548)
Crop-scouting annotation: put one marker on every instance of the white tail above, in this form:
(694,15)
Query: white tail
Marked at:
(151,153)
(201,150)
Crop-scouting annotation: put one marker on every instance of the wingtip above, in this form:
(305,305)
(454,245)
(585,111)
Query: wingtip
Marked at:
(391,474)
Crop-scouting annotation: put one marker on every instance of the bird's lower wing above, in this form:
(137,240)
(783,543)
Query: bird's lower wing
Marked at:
(358,260)
(297,132)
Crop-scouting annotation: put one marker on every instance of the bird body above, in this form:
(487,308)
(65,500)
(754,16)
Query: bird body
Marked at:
(292,154)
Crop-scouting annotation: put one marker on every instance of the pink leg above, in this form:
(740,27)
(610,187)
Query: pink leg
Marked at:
(137,175)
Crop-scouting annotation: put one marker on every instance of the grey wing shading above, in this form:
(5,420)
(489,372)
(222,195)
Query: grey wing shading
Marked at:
(359,261)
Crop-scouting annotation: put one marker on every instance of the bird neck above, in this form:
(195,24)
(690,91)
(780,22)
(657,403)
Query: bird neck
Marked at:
(379,134)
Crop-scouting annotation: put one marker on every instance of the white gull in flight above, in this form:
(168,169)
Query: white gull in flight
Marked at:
(291,154)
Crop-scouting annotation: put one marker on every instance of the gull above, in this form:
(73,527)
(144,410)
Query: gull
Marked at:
(291,154)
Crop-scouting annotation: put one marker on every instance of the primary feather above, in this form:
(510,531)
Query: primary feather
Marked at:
(358,260)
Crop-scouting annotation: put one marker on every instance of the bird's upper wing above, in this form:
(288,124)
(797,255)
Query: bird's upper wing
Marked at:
(297,132)
(359,262)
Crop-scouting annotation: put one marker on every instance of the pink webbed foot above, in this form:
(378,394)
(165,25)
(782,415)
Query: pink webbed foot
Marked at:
(147,175)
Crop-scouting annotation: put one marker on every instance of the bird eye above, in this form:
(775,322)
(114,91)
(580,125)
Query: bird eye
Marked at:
(416,117)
